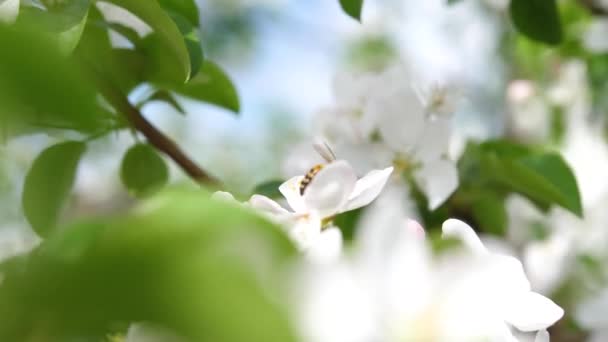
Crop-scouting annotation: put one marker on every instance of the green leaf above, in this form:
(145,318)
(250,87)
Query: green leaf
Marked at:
(545,178)
(192,41)
(168,58)
(143,171)
(167,97)
(489,212)
(504,167)
(63,24)
(352,8)
(211,85)
(537,19)
(182,261)
(269,189)
(48,184)
(125,68)
(561,184)
(40,88)
(185,8)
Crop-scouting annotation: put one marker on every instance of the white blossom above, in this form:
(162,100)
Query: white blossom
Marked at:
(389,117)
(392,289)
(333,190)
(9,10)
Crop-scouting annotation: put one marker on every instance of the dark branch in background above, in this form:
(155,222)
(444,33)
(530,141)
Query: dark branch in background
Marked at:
(155,137)
(593,7)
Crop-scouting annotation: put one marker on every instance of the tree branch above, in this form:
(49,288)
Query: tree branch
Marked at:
(155,137)
(593,7)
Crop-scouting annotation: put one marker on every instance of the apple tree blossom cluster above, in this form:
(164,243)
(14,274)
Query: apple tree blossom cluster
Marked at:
(390,285)
(387,222)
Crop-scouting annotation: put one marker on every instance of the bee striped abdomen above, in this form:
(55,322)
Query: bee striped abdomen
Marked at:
(309,176)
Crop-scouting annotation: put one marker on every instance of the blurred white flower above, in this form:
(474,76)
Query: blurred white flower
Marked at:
(591,315)
(9,10)
(529,114)
(392,289)
(145,332)
(420,140)
(596,37)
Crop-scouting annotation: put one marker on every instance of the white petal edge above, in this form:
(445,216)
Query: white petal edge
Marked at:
(454,228)
(531,311)
(291,191)
(9,10)
(368,188)
(438,180)
(542,336)
(330,188)
(266,204)
(223,196)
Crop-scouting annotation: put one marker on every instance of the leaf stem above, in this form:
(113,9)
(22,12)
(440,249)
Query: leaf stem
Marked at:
(154,136)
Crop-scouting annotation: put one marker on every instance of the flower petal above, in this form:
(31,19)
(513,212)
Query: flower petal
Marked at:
(437,179)
(223,196)
(291,191)
(9,9)
(531,311)
(368,188)
(327,247)
(434,142)
(400,116)
(329,189)
(305,230)
(542,336)
(463,232)
(267,205)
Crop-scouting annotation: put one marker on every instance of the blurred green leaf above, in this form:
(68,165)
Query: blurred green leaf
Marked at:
(185,8)
(124,68)
(545,178)
(537,19)
(208,270)
(502,167)
(40,88)
(167,97)
(143,171)
(352,8)
(489,212)
(191,39)
(48,183)
(125,31)
(347,222)
(168,59)
(212,85)
(269,189)
(62,24)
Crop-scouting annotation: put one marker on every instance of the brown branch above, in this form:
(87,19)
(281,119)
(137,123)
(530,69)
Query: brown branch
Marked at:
(593,7)
(155,137)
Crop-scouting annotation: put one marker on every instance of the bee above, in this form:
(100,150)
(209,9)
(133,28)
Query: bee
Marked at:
(328,155)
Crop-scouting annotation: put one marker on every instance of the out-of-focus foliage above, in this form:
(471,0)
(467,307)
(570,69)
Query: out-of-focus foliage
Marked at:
(352,8)
(182,261)
(213,270)
(212,85)
(48,184)
(526,14)
(142,170)
(38,93)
